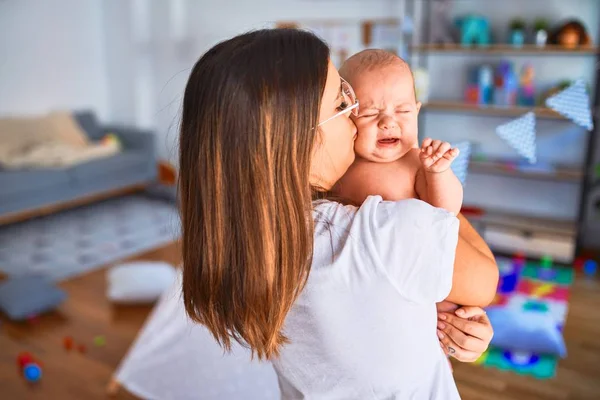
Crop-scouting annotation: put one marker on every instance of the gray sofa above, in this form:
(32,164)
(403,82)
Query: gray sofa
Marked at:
(22,191)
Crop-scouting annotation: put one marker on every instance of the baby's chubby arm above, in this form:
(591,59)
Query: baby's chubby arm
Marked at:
(435,182)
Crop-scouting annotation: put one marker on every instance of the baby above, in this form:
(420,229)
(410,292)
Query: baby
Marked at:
(389,161)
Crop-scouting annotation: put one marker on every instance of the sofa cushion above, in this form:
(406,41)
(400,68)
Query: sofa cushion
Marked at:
(88,122)
(117,164)
(18,182)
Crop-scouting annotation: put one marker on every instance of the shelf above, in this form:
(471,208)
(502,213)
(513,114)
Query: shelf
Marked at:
(518,221)
(513,169)
(528,49)
(491,110)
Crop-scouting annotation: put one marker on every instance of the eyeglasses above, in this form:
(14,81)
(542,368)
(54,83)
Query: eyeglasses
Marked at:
(349,98)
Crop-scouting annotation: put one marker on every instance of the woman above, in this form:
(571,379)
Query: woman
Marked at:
(343,302)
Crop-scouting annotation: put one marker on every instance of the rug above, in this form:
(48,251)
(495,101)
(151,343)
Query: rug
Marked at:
(79,240)
(530,287)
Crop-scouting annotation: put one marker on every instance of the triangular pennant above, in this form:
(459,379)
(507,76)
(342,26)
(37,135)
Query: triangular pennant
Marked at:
(520,135)
(460,166)
(573,103)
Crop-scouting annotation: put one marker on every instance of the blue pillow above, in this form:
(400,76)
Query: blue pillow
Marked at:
(526,330)
(25,296)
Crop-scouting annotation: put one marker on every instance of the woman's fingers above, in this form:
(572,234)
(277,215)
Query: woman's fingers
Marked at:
(470,311)
(462,338)
(453,349)
(479,328)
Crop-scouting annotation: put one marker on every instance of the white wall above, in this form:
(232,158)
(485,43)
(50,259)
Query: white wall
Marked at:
(52,56)
(179,32)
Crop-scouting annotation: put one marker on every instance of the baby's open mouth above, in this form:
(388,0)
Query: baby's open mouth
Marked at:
(388,141)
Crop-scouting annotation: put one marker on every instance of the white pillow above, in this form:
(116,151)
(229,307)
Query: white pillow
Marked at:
(139,282)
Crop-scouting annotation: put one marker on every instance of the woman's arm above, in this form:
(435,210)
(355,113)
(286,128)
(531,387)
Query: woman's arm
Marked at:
(475,276)
(470,234)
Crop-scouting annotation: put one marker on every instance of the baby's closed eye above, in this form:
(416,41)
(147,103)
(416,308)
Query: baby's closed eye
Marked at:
(368,114)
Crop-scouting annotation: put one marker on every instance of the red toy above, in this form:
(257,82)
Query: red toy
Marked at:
(24,359)
(68,343)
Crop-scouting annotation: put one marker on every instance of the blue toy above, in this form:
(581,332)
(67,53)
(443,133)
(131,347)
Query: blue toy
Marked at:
(590,267)
(506,85)
(486,85)
(32,372)
(474,29)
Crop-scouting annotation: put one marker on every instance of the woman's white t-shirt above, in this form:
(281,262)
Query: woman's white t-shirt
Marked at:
(364,327)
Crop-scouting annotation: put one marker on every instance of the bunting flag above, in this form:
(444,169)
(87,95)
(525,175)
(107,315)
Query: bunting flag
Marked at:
(460,166)
(520,135)
(573,103)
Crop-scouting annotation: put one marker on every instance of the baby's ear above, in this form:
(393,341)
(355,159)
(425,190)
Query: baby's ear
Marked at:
(418,106)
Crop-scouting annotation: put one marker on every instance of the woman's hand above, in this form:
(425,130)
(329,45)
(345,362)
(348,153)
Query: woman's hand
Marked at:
(465,332)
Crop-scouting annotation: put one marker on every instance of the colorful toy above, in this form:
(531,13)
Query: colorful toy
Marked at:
(517,32)
(540,28)
(573,103)
(486,82)
(99,341)
(505,85)
(29,367)
(32,372)
(526,87)
(520,135)
(441,28)
(590,267)
(474,29)
(24,359)
(112,140)
(68,343)
(571,34)
(546,261)
(480,89)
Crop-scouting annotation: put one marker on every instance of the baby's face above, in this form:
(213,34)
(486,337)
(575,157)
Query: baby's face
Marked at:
(387,121)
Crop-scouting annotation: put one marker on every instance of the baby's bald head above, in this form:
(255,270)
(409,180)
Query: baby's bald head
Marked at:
(368,60)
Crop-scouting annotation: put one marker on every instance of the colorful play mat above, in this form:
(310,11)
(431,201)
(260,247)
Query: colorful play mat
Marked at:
(530,286)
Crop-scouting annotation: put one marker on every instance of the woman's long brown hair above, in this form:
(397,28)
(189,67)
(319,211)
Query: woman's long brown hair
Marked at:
(247,132)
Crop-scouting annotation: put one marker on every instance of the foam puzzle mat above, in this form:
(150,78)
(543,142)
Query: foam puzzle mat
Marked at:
(530,286)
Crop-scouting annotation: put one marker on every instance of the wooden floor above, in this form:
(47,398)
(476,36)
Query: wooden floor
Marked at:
(87,313)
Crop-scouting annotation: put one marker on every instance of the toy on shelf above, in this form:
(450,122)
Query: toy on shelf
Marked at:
(441,28)
(571,34)
(540,30)
(517,32)
(526,87)
(505,85)
(474,29)
(480,88)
